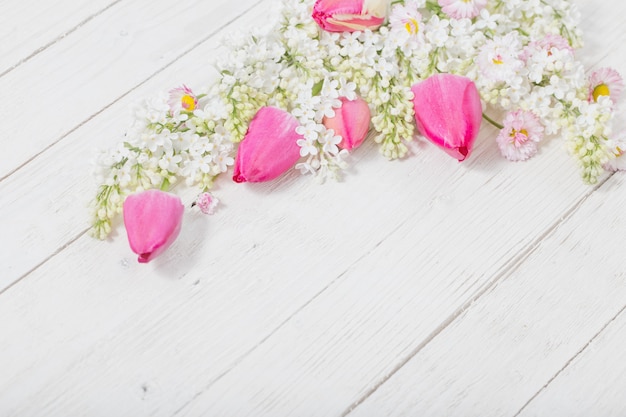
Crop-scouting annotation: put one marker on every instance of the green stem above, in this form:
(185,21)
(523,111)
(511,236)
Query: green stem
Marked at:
(493,122)
(165,185)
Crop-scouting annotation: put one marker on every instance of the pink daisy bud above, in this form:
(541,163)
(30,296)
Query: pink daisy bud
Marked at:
(351,122)
(152,220)
(519,137)
(349,15)
(546,44)
(605,82)
(269,148)
(206,203)
(448,112)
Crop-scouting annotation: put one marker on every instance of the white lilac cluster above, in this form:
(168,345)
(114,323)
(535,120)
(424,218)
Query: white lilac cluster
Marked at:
(173,135)
(520,55)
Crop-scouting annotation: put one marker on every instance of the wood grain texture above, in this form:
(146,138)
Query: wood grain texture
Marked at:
(492,359)
(419,285)
(96,65)
(29,27)
(593,384)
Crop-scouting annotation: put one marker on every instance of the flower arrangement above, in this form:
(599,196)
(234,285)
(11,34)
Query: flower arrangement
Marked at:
(307,92)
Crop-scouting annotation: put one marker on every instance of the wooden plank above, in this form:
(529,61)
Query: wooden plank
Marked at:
(29,27)
(96,65)
(515,339)
(593,384)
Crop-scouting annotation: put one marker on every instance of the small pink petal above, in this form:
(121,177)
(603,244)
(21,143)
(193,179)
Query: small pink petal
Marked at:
(448,112)
(152,220)
(269,148)
(351,122)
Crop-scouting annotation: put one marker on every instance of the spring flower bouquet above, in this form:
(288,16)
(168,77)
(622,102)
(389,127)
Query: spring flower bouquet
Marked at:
(309,90)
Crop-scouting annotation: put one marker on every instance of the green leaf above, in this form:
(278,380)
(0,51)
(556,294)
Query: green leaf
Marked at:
(317,88)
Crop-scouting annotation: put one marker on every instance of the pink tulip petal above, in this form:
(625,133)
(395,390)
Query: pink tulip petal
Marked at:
(269,148)
(349,15)
(448,112)
(152,220)
(351,122)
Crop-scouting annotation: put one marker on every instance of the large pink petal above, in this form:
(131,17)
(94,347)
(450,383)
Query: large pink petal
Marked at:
(351,122)
(152,220)
(448,112)
(269,148)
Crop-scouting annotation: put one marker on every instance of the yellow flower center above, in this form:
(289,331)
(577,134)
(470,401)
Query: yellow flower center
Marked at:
(188,102)
(497,60)
(600,90)
(514,133)
(412,26)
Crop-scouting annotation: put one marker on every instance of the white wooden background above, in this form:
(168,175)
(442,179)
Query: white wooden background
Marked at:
(416,288)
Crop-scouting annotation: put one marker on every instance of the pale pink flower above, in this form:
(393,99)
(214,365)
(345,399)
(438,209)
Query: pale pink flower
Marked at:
(546,44)
(605,82)
(351,122)
(182,99)
(518,138)
(206,202)
(269,148)
(406,17)
(448,112)
(349,15)
(459,9)
(152,220)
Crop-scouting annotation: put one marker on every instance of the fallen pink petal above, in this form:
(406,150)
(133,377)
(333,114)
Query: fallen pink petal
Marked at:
(448,112)
(351,122)
(152,220)
(349,15)
(269,148)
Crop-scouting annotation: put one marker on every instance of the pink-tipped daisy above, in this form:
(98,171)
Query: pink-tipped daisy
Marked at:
(546,44)
(182,99)
(519,137)
(459,9)
(605,82)
(406,17)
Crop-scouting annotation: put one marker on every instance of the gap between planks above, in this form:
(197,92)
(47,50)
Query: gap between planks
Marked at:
(93,116)
(148,78)
(507,270)
(240,359)
(54,41)
(572,359)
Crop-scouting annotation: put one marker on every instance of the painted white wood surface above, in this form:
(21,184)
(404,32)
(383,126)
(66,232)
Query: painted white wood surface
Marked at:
(492,361)
(97,64)
(28,27)
(421,287)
